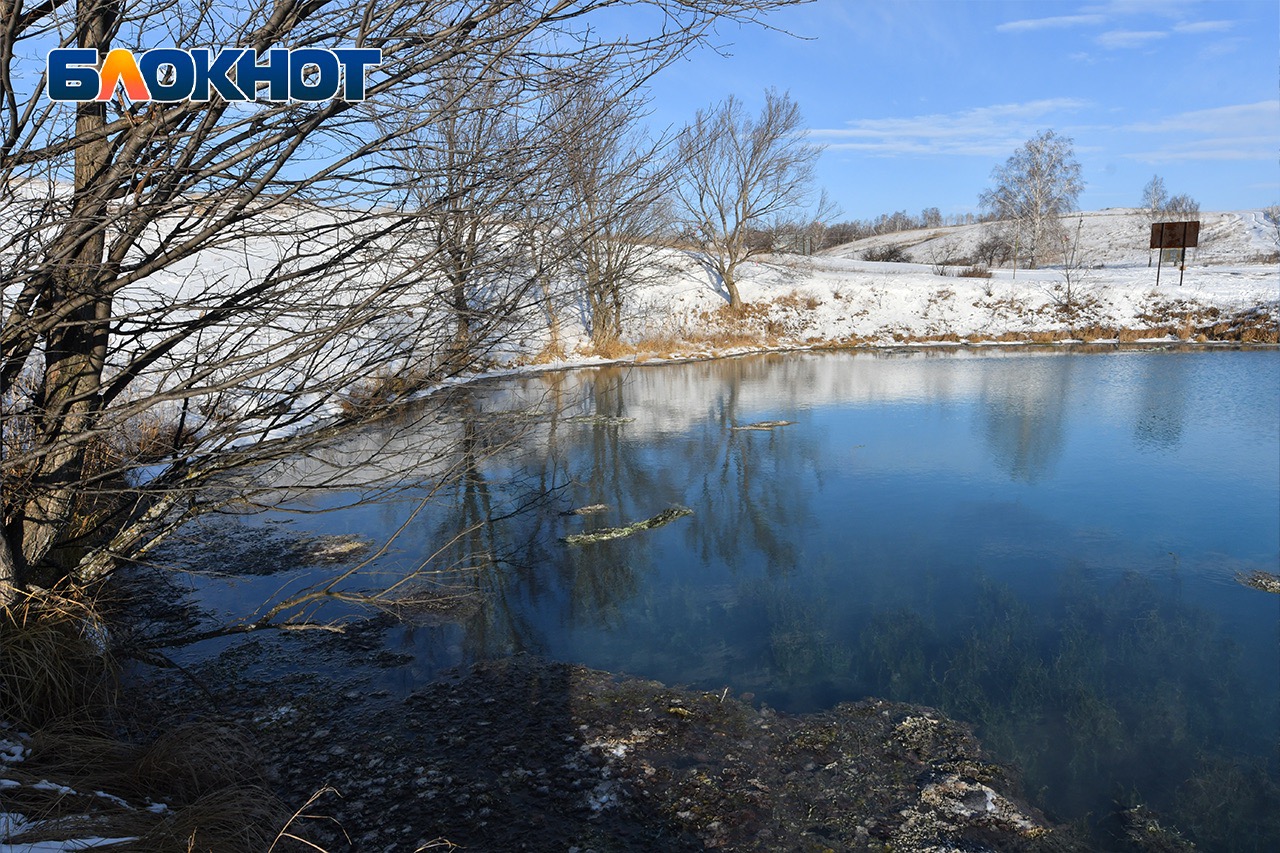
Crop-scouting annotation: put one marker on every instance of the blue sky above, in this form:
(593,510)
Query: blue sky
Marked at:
(917,100)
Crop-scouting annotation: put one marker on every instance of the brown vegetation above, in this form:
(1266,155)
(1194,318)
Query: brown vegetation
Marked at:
(199,785)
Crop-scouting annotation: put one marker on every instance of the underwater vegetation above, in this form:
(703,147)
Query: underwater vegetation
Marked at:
(1123,696)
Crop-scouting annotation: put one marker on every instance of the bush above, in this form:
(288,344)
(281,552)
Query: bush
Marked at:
(993,251)
(975,271)
(888,253)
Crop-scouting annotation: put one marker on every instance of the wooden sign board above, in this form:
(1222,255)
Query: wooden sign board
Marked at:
(1175,235)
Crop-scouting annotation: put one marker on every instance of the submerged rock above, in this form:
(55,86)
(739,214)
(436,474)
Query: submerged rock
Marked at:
(589,509)
(599,420)
(1261,581)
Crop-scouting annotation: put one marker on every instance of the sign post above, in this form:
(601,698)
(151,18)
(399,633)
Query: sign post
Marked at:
(1176,236)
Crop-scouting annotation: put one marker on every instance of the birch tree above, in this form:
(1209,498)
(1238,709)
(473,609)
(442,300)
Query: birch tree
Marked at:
(1032,190)
(1154,197)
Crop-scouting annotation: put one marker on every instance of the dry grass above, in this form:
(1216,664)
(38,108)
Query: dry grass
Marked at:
(378,391)
(1256,326)
(207,774)
(58,684)
(234,820)
(52,664)
(796,301)
(975,271)
(553,351)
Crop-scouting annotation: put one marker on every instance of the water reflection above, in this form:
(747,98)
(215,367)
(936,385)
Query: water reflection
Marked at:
(1161,405)
(1025,413)
(989,534)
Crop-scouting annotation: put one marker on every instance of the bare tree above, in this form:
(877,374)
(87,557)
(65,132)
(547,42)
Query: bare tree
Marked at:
(738,172)
(615,207)
(801,231)
(467,174)
(1071,295)
(1182,206)
(1154,197)
(191,288)
(1033,189)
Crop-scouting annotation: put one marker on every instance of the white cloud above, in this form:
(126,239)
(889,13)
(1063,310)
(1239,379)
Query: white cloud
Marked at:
(1058,22)
(1256,118)
(981,131)
(1237,148)
(1235,132)
(1118,39)
(1192,27)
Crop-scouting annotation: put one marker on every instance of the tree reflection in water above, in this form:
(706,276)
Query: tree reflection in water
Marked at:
(918,534)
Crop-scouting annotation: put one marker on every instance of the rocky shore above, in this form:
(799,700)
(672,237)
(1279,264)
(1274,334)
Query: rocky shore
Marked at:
(523,754)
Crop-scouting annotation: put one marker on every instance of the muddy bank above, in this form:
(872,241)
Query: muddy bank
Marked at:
(526,754)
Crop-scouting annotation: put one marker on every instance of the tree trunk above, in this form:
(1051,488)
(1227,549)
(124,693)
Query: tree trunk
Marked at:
(731,285)
(10,580)
(76,350)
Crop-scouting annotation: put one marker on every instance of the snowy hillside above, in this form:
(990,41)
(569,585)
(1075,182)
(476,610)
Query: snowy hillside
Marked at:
(1114,237)
(1229,290)
(679,308)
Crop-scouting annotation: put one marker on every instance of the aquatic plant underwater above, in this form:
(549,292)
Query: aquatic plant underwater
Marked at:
(1124,695)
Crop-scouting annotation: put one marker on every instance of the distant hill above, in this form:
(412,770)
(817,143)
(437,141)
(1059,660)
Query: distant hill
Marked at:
(1116,236)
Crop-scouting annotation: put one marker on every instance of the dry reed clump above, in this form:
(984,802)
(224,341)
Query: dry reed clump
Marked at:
(552,352)
(233,820)
(199,786)
(614,348)
(73,780)
(1128,336)
(1186,312)
(379,391)
(53,663)
(197,759)
(1257,326)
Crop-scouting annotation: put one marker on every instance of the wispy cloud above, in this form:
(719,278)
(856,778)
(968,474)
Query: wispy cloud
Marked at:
(1120,39)
(981,131)
(1053,23)
(1235,132)
(1192,27)
(1235,118)
(1112,14)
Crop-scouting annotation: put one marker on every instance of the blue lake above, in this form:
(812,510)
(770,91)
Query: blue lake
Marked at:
(1043,544)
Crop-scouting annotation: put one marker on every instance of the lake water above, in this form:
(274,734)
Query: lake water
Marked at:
(1044,544)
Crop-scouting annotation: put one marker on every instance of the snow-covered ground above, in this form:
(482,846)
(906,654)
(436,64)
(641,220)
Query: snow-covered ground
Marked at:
(1114,237)
(838,298)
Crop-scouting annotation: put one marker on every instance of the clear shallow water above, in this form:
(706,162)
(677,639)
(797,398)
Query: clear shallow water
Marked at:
(1043,544)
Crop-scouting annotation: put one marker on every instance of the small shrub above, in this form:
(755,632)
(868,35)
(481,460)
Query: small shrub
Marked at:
(888,253)
(379,391)
(974,271)
(993,251)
